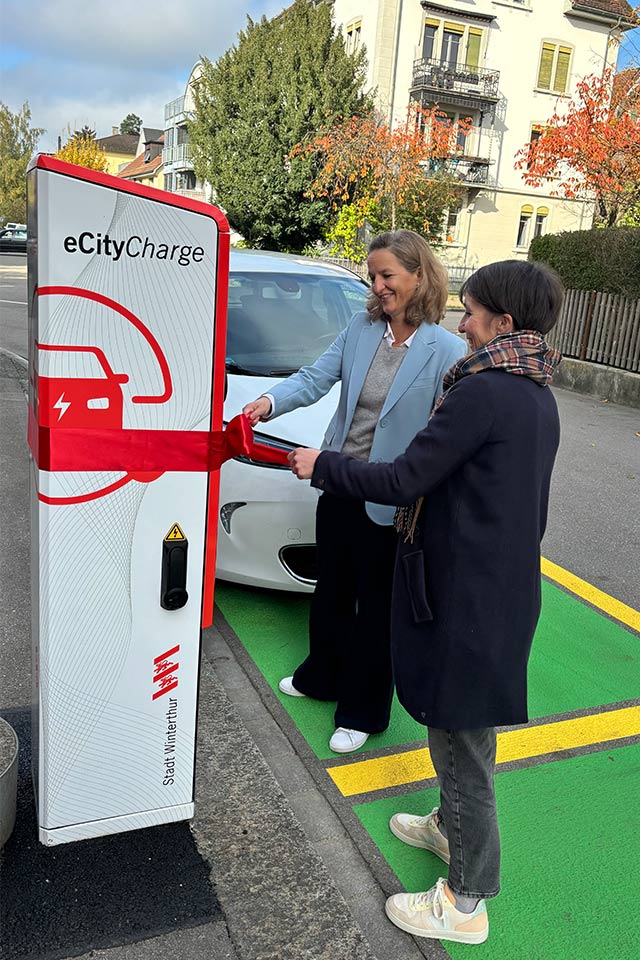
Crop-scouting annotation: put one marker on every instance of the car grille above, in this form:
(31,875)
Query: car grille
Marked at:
(300,561)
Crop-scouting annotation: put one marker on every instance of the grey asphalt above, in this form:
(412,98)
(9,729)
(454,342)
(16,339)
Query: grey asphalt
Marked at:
(291,876)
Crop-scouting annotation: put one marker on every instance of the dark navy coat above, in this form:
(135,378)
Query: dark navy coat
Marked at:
(466,595)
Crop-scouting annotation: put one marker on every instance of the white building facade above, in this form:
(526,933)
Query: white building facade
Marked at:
(504,64)
(179,175)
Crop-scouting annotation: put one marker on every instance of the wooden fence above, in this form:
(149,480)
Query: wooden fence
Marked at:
(599,327)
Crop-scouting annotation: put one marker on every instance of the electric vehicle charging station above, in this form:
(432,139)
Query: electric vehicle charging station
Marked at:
(127,329)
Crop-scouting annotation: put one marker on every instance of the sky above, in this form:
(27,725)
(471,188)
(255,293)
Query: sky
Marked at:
(90,62)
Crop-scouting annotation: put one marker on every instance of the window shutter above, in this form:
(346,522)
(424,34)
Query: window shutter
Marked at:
(546,66)
(473,49)
(454,27)
(562,69)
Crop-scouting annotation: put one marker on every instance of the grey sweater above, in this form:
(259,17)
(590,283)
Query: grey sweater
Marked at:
(375,388)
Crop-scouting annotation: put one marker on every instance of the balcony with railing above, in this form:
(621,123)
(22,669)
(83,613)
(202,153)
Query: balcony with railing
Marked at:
(181,153)
(173,109)
(439,81)
(471,171)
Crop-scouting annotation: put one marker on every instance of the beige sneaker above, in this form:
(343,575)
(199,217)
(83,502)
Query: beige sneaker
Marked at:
(421,832)
(432,915)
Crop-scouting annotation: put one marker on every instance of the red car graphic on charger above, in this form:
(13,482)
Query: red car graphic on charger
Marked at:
(82,392)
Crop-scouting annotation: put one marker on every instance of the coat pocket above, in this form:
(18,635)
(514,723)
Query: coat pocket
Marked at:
(415,580)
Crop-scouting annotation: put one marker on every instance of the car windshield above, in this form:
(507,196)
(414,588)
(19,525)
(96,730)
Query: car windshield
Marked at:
(279,322)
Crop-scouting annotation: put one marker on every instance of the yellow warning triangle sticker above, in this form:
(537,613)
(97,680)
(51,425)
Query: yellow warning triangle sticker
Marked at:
(175,533)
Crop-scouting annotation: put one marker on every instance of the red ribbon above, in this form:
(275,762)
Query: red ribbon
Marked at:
(142,451)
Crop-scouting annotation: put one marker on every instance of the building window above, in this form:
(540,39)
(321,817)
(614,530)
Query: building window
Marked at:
(457,44)
(534,135)
(524,224)
(429,39)
(453,222)
(539,227)
(473,48)
(354,36)
(451,41)
(461,136)
(553,72)
(168,181)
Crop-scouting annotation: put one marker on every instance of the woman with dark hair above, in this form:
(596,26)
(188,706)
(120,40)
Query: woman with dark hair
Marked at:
(389,362)
(473,490)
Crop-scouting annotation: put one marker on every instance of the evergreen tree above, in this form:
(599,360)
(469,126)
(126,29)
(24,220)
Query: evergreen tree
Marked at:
(85,134)
(131,124)
(18,141)
(287,79)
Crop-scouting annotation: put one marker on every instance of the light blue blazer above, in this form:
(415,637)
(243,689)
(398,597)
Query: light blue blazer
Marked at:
(415,388)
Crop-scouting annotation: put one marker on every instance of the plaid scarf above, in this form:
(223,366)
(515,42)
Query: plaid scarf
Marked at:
(524,353)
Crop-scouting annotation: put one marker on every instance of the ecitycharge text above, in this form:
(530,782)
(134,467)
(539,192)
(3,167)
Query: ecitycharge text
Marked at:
(102,245)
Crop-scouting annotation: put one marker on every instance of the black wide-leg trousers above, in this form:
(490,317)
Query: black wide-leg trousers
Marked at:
(349,623)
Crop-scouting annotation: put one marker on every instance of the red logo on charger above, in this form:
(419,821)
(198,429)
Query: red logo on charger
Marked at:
(93,399)
(164,672)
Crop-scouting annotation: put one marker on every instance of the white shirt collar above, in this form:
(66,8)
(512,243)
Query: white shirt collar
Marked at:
(389,337)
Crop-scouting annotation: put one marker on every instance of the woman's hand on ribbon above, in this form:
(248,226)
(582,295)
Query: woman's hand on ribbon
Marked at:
(257,410)
(302,461)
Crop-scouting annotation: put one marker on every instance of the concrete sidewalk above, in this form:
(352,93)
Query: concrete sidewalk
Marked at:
(285,880)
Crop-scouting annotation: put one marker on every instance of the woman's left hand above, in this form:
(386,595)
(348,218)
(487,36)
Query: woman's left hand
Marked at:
(302,461)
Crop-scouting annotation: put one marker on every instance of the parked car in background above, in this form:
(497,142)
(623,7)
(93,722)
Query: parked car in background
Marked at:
(13,240)
(284,311)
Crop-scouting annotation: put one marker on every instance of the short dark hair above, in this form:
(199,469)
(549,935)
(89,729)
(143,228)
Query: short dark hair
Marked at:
(530,292)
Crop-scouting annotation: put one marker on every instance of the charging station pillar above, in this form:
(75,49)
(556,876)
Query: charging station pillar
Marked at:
(127,327)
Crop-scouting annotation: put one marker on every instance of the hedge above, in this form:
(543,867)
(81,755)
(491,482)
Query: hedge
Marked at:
(607,260)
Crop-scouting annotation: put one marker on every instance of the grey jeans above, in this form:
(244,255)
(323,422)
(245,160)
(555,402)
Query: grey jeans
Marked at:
(465,761)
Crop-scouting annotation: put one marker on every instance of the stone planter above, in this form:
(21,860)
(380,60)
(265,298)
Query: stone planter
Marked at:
(8,780)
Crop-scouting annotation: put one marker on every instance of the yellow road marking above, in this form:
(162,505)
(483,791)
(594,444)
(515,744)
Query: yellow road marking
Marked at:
(413,765)
(591,594)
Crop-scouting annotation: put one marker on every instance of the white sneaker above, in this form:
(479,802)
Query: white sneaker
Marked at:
(432,915)
(421,832)
(286,685)
(345,740)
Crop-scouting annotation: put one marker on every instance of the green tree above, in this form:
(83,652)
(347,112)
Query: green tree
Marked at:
(287,79)
(131,124)
(85,134)
(18,141)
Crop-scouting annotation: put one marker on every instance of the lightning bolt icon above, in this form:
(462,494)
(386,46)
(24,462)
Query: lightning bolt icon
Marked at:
(61,405)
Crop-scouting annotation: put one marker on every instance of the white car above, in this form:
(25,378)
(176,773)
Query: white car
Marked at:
(284,311)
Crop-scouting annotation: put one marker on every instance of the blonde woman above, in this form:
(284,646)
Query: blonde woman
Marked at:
(390,362)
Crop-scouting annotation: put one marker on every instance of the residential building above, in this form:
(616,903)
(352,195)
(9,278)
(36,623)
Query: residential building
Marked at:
(147,167)
(179,175)
(120,149)
(505,64)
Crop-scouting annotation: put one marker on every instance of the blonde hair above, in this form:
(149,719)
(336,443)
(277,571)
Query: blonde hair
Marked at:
(414,253)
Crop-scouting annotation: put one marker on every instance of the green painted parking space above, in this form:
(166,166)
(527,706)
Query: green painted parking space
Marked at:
(570,867)
(580,660)
(569,822)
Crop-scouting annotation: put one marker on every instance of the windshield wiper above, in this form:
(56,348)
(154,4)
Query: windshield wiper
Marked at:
(234,367)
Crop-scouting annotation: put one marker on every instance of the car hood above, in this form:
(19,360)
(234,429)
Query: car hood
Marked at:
(304,427)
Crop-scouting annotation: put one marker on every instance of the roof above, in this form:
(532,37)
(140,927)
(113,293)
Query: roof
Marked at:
(139,167)
(626,89)
(119,143)
(152,135)
(613,9)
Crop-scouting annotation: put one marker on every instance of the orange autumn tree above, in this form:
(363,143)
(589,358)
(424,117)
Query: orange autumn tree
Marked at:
(401,176)
(589,149)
